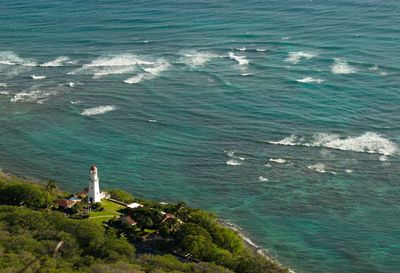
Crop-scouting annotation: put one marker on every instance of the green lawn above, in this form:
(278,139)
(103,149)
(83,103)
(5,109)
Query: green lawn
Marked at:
(111,210)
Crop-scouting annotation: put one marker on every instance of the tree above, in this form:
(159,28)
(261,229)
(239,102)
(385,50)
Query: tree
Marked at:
(121,195)
(51,186)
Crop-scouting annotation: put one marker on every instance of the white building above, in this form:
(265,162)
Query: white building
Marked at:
(94,188)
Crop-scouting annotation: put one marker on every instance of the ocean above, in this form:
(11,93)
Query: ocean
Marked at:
(280,116)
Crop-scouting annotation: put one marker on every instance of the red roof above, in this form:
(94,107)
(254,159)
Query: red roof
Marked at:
(65,203)
(129,220)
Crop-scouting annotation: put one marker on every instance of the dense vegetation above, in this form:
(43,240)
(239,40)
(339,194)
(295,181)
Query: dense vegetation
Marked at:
(35,237)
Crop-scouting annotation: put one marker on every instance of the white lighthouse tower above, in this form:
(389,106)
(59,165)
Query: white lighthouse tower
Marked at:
(94,188)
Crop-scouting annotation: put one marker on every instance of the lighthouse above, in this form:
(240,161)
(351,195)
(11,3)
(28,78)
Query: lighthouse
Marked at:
(94,188)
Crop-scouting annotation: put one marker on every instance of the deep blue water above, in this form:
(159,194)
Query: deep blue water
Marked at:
(281,116)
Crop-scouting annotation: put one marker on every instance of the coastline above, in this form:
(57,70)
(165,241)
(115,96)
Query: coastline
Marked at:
(251,245)
(256,249)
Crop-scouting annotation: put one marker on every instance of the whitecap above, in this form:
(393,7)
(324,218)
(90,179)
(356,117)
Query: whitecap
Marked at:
(246,74)
(9,58)
(151,72)
(38,96)
(288,141)
(241,60)
(373,68)
(285,38)
(383,158)
(3,84)
(152,120)
(277,160)
(340,66)
(233,162)
(262,179)
(310,80)
(112,65)
(229,153)
(76,102)
(261,49)
(98,110)
(318,168)
(368,142)
(35,77)
(71,84)
(296,57)
(195,58)
(348,171)
(59,61)
(383,73)
(241,48)
(6,93)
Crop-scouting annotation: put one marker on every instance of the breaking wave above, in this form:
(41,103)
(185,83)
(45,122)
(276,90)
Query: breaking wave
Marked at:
(11,64)
(3,84)
(35,77)
(262,179)
(150,72)
(340,66)
(277,160)
(38,96)
(59,61)
(233,162)
(194,58)
(368,142)
(296,57)
(310,80)
(98,110)
(241,60)
(112,65)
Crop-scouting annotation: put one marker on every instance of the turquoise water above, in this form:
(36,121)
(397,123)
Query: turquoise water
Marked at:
(283,117)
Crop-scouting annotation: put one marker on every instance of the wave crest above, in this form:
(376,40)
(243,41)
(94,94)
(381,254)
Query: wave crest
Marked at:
(368,142)
(59,61)
(310,80)
(98,110)
(340,66)
(38,96)
(296,57)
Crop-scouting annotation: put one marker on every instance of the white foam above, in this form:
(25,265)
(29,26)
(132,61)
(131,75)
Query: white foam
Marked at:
(368,142)
(38,77)
(150,72)
(38,96)
(241,48)
(98,110)
(9,58)
(310,80)
(296,57)
(241,60)
(246,74)
(76,102)
(3,84)
(195,58)
(261,49)
(112,65)
(59,61)
(277,160)
(318,168)
(383,158)
(4,93)
(262,179)
(285,38)
(233,162)
(152,120)
(348,171)
(373,68)
(71,84)
(340,66)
